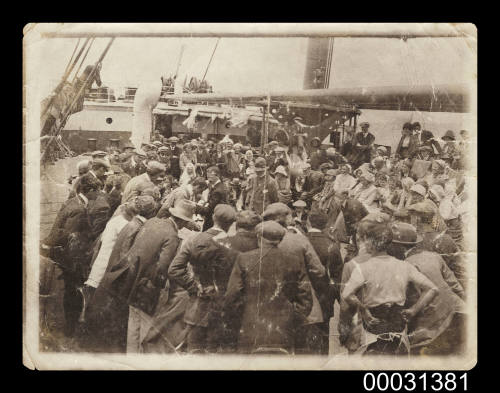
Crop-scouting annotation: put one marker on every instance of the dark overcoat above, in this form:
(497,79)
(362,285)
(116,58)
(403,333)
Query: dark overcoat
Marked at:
(107,311)
(148,260)
(270,294)
(329,254)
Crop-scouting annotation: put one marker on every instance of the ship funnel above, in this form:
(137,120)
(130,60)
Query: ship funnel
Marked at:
(146,98)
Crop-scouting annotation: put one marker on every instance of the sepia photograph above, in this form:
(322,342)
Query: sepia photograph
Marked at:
(250,196)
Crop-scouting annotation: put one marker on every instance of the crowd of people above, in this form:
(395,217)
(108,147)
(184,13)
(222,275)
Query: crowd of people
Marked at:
(206,246)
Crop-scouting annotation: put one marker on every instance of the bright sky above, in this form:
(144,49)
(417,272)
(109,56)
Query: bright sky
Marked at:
(247,64)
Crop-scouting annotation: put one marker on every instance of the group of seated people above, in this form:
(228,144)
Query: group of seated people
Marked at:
(215,247)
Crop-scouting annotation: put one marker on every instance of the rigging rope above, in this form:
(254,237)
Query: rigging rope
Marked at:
(210,61)
(71,58)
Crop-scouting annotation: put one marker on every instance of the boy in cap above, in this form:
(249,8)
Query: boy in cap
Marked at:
(267,312)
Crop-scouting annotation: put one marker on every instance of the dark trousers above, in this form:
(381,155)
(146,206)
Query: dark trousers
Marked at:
(217,336)
(392,338)
(312,339)
(72,303)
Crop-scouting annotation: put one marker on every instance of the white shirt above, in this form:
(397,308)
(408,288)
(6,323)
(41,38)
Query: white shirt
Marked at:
(108,239)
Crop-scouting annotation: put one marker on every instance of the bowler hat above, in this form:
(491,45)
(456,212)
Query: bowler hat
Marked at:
(403,233)
(270,230)
(449,136)
(183,209)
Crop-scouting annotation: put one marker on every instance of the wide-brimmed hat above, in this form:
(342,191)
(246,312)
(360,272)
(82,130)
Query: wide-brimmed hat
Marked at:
(449,136)
(99,153)
(403,233)
(183,209)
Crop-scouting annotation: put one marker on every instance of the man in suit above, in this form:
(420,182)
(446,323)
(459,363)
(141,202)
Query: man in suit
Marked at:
(155,172)
(262,189)
(106,317)
(362,145)
(68,244)
(211,265)
(268,294)
(217,194)
(148,261)
(328,252)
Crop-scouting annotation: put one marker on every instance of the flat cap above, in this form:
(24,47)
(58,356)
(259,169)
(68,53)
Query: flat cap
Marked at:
(331,172)
(364,124)
(273,143)
(144,205)
(173,139)
(247,219)
(157,143)
(155,167)
(275,209)
(404,233)
(163,148)
(224,213)
(270,230)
